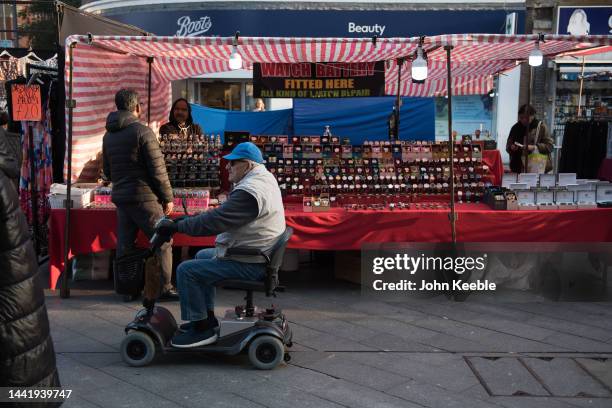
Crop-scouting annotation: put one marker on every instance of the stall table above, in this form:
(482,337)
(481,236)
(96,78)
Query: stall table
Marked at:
(94,230)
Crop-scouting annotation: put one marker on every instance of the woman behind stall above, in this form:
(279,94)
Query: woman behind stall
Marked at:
(180,122)
(538,141)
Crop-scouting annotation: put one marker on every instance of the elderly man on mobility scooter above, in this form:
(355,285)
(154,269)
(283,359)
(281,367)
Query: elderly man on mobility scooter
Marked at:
(253,217)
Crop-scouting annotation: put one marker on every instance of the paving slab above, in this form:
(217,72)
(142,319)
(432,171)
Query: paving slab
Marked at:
(390,342)
(578,344)
(329,342)
(78,402)
(81,378)
(573,382)
(455,375)
(506,377)
(532,402)
(428,395)
(342,367)
(600,368)
(589,402)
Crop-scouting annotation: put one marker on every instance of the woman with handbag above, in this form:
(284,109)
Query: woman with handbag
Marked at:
(539,143)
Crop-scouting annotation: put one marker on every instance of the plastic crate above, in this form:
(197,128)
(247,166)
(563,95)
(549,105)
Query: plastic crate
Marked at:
(78,200)
(80,197)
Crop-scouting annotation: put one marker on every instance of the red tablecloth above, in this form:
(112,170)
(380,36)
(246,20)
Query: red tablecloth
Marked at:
(605,170)
(493,159)
(94,230)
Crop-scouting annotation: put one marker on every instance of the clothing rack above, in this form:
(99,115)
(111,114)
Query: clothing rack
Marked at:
(582,152)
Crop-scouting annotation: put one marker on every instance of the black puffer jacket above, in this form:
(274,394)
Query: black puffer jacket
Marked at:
(133,161)
(26,350)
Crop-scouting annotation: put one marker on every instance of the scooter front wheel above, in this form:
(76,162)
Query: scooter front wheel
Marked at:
(137,349)
(266,352)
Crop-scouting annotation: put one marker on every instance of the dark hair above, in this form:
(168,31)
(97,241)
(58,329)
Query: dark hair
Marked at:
(527,109)
(172,120)
(4,118)
(126,99)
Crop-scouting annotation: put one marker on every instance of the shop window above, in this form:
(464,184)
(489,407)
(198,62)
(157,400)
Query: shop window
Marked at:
(220,95)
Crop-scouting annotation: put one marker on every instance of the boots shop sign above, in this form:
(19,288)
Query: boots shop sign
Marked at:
(317,23)
(193,28)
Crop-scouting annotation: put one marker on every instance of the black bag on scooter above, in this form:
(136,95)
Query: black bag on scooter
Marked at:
(129,272)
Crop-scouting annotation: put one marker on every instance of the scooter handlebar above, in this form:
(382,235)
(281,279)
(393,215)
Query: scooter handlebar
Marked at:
(164,229)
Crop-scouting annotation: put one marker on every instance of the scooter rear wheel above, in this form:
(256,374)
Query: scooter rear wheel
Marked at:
(137,349)
(266,352)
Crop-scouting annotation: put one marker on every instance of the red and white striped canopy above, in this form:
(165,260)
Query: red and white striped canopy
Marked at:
(104,64)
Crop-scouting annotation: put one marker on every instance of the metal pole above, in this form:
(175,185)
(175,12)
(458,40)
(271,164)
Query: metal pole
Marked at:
(150,62)
(33,189)
(581,85)
(15,33)
(449,90)
(400,62)
(526,136)
(65,290)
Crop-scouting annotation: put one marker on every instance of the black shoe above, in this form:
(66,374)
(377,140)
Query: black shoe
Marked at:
(170,294)
(194,338)
(186,326)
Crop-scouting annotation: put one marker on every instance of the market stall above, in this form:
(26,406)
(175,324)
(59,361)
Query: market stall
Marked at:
(458,64)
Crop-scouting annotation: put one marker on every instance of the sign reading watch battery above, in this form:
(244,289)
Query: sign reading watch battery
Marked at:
(318,80)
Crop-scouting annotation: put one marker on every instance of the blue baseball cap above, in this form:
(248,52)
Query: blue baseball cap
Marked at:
(245,151)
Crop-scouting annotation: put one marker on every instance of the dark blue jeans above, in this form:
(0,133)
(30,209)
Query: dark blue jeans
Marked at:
(195,279)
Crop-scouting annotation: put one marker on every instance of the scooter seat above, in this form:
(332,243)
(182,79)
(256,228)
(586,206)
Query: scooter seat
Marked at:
(236,284)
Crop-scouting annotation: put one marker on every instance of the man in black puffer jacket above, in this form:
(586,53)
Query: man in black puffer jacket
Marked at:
(27,358)
(133,161)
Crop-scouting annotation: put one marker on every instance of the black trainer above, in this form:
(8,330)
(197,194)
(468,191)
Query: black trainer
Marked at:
(194,338)
(186,326)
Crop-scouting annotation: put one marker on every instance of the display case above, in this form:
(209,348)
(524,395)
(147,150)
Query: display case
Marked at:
(384,170)
(192,161)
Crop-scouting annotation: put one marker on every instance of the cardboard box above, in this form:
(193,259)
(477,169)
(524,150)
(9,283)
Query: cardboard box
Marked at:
(585,199)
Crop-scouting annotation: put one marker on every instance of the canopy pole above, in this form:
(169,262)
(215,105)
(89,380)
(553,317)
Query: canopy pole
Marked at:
(398,101)
(452,216)
(71,104)
(581,86)
(33,188)
(150,62)
(526,136)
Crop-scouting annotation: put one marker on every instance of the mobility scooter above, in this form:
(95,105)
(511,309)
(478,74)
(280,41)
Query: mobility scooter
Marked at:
(264,334)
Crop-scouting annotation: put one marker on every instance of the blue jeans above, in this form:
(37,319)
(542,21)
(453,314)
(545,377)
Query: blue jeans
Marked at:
(195,279)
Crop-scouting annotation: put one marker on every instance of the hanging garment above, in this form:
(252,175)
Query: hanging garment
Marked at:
(584,148)
(42,165)
(8,71)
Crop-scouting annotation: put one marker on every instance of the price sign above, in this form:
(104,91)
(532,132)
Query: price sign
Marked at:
(26,102)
